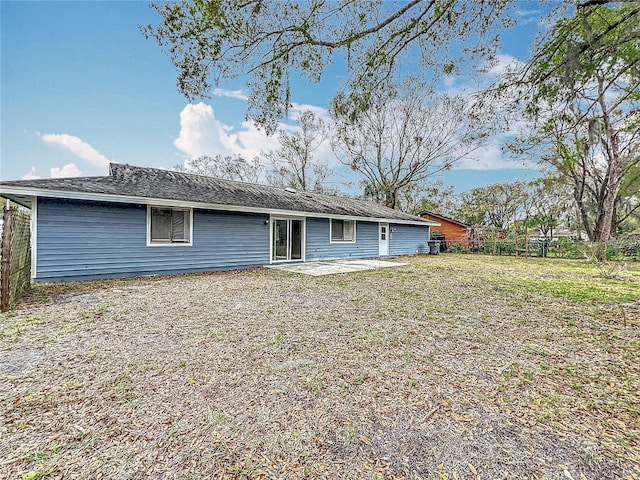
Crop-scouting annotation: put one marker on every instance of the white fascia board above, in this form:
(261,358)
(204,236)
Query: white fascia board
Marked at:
(108,197)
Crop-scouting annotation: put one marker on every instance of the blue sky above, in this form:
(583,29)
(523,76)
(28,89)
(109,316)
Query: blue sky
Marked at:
(81,87)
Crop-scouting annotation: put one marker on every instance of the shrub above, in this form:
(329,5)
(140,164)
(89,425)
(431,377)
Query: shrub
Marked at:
(627,246)
(572,249)
(457,248)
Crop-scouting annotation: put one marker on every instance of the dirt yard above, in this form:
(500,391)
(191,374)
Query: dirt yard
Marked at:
(454,367)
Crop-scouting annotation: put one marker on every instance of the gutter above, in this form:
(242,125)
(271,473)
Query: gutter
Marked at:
(163,202)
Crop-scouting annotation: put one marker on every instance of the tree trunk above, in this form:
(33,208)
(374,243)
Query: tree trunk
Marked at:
(391,199)
(613,179)
(583,215)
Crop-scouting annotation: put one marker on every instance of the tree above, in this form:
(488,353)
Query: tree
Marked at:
(293,164)
(628,205)
(491,210)
(596,30)
(403,138)
(584,105)
(495,206)
(584,168)
(268,41)
(551,205)
(428,195)
(230,167)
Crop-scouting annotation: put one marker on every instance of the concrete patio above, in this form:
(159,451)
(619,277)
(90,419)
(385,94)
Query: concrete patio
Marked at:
(331,267)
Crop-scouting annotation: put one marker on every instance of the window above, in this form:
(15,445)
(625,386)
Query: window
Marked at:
(169,226)
(343,230)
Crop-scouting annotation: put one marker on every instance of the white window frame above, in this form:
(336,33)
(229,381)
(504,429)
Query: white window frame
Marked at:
(303,227)
(169,244)
(331,240)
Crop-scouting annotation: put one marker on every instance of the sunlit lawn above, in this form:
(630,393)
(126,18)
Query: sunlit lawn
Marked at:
(456,366)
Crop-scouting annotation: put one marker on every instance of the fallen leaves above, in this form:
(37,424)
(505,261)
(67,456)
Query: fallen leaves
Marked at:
(381,381)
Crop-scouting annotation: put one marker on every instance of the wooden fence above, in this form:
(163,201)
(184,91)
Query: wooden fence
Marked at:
(15,272)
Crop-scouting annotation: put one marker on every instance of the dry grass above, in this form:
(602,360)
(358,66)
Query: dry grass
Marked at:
(455,367)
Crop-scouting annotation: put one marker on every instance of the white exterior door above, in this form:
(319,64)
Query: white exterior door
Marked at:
(383,237)
(287,239)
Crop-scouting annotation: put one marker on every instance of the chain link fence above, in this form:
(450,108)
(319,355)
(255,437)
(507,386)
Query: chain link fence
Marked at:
(627,247)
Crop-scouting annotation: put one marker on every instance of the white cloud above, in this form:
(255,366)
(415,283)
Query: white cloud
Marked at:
(78,147)
(298,108)
(526,17)
(503,63)
(31,175)
(219,92)
(489,157)
(201,133)
(69,170)
(254,141)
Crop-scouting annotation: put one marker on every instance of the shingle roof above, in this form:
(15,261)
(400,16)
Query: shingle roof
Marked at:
(153,183)
(427,213)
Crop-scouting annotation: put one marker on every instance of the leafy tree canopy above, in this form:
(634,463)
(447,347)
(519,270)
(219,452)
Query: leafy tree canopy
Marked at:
(600,35)
(268,41)
(581,96)
(494,206)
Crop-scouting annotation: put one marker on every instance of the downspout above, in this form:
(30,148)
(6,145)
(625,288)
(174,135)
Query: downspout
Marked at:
(34,238)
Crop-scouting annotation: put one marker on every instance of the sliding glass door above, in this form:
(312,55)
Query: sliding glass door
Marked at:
(287,239)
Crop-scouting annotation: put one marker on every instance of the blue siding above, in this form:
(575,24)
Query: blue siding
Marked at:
(79,240)
(320,248)
(408,239)
(88,240)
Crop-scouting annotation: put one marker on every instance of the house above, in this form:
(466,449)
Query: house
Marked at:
(146,221)
(557,234)
(454,232)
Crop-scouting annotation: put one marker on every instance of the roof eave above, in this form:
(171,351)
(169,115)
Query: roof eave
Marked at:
(8,190)
(24,200)
(443,217)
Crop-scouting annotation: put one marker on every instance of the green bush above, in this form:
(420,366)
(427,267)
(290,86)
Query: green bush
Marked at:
(570,249)
(457,248)
(626,247)
(505,247)
(614,251)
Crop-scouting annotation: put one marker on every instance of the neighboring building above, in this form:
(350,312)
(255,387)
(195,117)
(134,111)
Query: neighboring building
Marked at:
(146,221)
(558,234)
(454,232)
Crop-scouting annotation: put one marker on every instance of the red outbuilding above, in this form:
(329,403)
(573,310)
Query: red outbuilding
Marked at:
(454,232)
